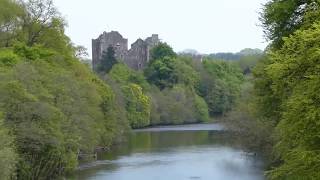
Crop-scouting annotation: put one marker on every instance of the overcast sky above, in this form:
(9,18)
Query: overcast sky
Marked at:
(205,25)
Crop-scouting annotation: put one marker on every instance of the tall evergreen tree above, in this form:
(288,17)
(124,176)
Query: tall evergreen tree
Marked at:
(108,60)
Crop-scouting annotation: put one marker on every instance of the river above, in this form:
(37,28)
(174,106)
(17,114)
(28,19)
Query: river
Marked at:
(187,152)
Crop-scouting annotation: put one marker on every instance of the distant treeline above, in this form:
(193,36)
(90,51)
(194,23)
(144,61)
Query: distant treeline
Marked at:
(235,56)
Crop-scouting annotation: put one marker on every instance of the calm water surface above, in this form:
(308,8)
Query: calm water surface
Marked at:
(188,152)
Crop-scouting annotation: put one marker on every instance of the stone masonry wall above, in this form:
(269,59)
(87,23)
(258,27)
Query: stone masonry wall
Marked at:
(136,58)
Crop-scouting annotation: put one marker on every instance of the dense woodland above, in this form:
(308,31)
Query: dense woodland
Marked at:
(53,107)
(279,107)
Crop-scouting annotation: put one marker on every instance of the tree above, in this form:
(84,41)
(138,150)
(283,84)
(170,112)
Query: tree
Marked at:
(41,16)
(10,12)
(185,73)
(295,81)
(161,72)
(81,52)
(137,106)
(177,105)
(54,107)
(220,85)
(108,60)
(161,51)
(122,74)
(133,87)
(248,62)
(280,18)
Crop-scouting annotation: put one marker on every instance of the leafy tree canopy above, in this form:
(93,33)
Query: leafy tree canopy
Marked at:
(161,51)
(280,18)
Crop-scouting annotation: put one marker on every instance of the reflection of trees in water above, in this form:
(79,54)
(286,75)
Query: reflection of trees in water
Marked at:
(150,141)
(139,142)
(165,141)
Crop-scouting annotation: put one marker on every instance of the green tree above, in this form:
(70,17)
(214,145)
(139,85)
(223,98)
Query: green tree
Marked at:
(107,61)
(280,18)
(161,72)
(220,85)
(161,51)
(122,74)
(133,86)
(167,72)
(201,109)
(137,106)
(177,105)
(248,62)
(295,81)
(185,73)
(55,107)
(10,12)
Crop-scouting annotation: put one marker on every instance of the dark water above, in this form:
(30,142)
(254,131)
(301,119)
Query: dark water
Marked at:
(191,152)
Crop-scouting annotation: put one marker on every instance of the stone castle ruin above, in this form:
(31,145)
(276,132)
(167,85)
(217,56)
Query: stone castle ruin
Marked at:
(136,57)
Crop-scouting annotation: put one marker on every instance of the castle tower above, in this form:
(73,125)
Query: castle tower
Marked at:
(136,58)
(151,42)
(105,40)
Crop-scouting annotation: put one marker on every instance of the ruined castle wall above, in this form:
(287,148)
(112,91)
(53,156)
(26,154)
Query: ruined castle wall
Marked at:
(96,53)
(136,58)
(105,40)
(137,55)
(151,42)
(115,40)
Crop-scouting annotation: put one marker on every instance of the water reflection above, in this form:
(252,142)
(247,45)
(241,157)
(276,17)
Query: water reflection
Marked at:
(174,155)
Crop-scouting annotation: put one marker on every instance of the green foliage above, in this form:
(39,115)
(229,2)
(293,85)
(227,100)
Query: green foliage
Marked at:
(137,106)
(8,156)
(185,73)
(177,105)
(167,72)
(293,71)
(132,85)
(268,104)
(33,23)
(235,56)
(281,18)
(55,107)
(161,72)
(220,85)
(161,51)
(122,74)
(251,129)
(177,101)
(201,109)
(8,58)
(107,61)
(10,12)
(248,62)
